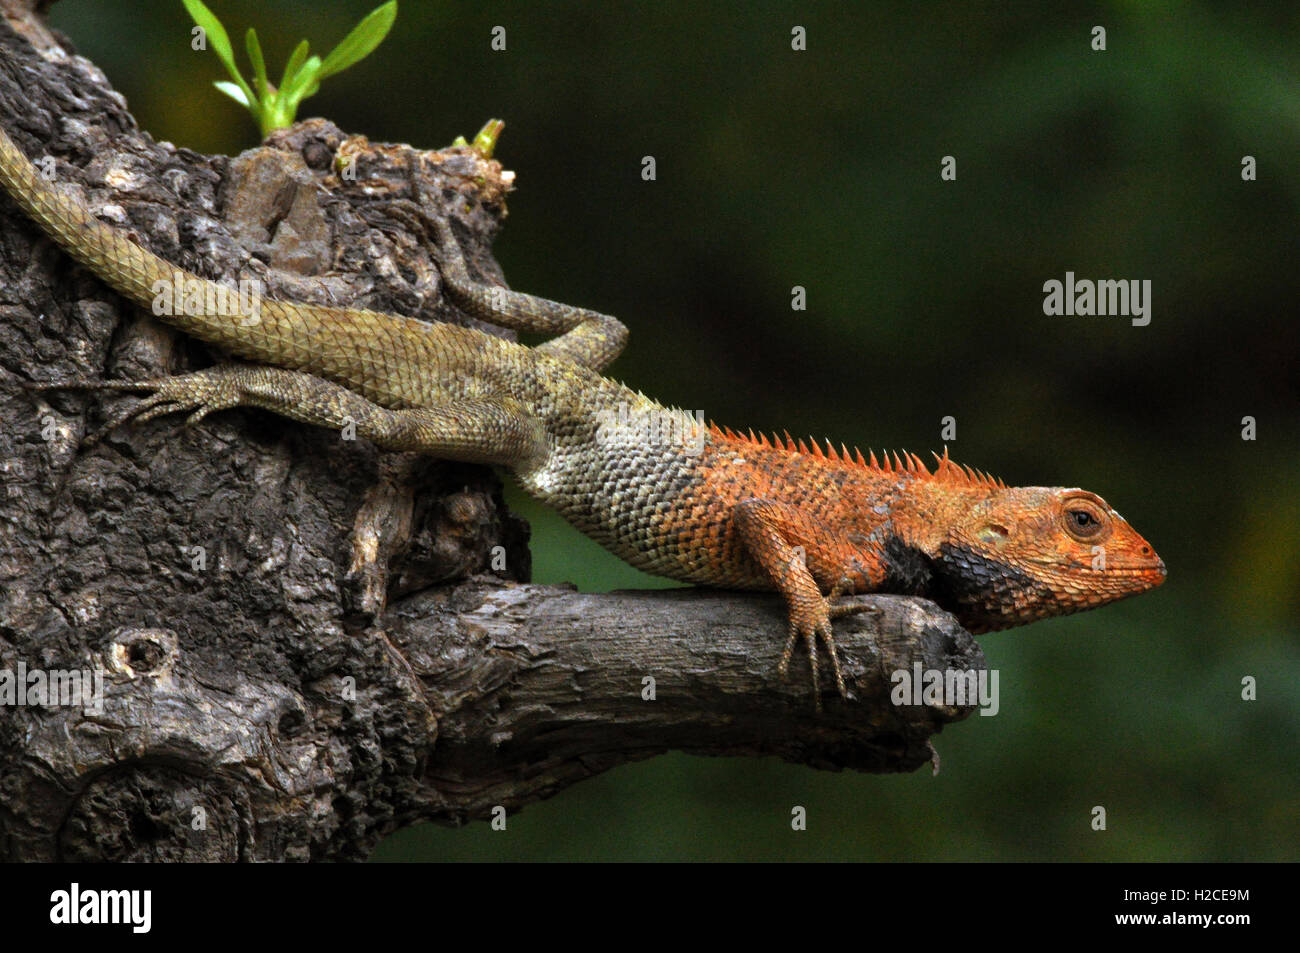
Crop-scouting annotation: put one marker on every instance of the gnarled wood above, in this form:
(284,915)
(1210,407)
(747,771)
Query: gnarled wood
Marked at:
(298,650)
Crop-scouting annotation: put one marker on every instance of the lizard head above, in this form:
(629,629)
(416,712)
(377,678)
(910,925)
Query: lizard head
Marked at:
(1025,553)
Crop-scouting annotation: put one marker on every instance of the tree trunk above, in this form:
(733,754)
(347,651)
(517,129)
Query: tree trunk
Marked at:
(301,648)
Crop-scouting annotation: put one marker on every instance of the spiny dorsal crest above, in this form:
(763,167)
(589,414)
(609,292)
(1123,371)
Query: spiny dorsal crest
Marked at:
(945,471)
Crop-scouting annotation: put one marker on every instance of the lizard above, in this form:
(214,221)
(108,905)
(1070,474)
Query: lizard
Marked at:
(664,491)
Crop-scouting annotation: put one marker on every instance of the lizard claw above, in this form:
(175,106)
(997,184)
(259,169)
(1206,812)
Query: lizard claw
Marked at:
(843,588)
(811,621)
(201,393)
(809,626)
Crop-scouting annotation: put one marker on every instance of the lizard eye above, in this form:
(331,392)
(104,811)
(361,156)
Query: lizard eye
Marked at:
(1082,523)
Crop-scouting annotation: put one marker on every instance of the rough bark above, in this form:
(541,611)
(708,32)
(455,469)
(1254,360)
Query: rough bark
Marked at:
(300,650)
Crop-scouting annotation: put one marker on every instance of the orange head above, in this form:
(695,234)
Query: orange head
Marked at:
(1024,553)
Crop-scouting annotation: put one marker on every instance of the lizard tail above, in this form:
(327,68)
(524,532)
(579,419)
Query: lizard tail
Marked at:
(335,343)
(127,267)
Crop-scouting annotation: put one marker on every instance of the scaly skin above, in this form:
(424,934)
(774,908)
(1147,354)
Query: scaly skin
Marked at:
(661,491)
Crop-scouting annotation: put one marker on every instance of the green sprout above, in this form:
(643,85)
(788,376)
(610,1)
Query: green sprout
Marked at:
(274,108)
(486,141)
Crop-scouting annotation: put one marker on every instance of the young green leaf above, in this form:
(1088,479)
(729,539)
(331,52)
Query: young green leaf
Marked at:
(259,64)
(303,80)
(486,140)
(231,90)
(358,44)
(296,59)
(216,35)
(274,108)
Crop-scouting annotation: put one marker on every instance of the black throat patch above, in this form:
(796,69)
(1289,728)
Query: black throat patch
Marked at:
(908,571)
(983,593)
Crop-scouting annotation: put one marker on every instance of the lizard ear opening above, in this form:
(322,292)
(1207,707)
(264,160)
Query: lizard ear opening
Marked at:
(993,533)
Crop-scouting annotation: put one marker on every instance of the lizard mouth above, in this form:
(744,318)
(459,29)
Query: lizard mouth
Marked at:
(1116,582)
(1155,570)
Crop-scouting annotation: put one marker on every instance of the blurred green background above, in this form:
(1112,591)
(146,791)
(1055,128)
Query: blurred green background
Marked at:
(821,168)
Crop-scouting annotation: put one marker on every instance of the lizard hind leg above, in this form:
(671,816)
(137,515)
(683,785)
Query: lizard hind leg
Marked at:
(588,338)
(492,429)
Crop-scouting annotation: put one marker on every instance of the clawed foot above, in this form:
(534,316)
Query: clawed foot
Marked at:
(200,393)
(814,622)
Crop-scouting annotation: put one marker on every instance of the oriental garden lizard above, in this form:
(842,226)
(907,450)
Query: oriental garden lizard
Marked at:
(659,488)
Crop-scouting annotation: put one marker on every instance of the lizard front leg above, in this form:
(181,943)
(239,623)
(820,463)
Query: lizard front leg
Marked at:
(492,429)
(794,550)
